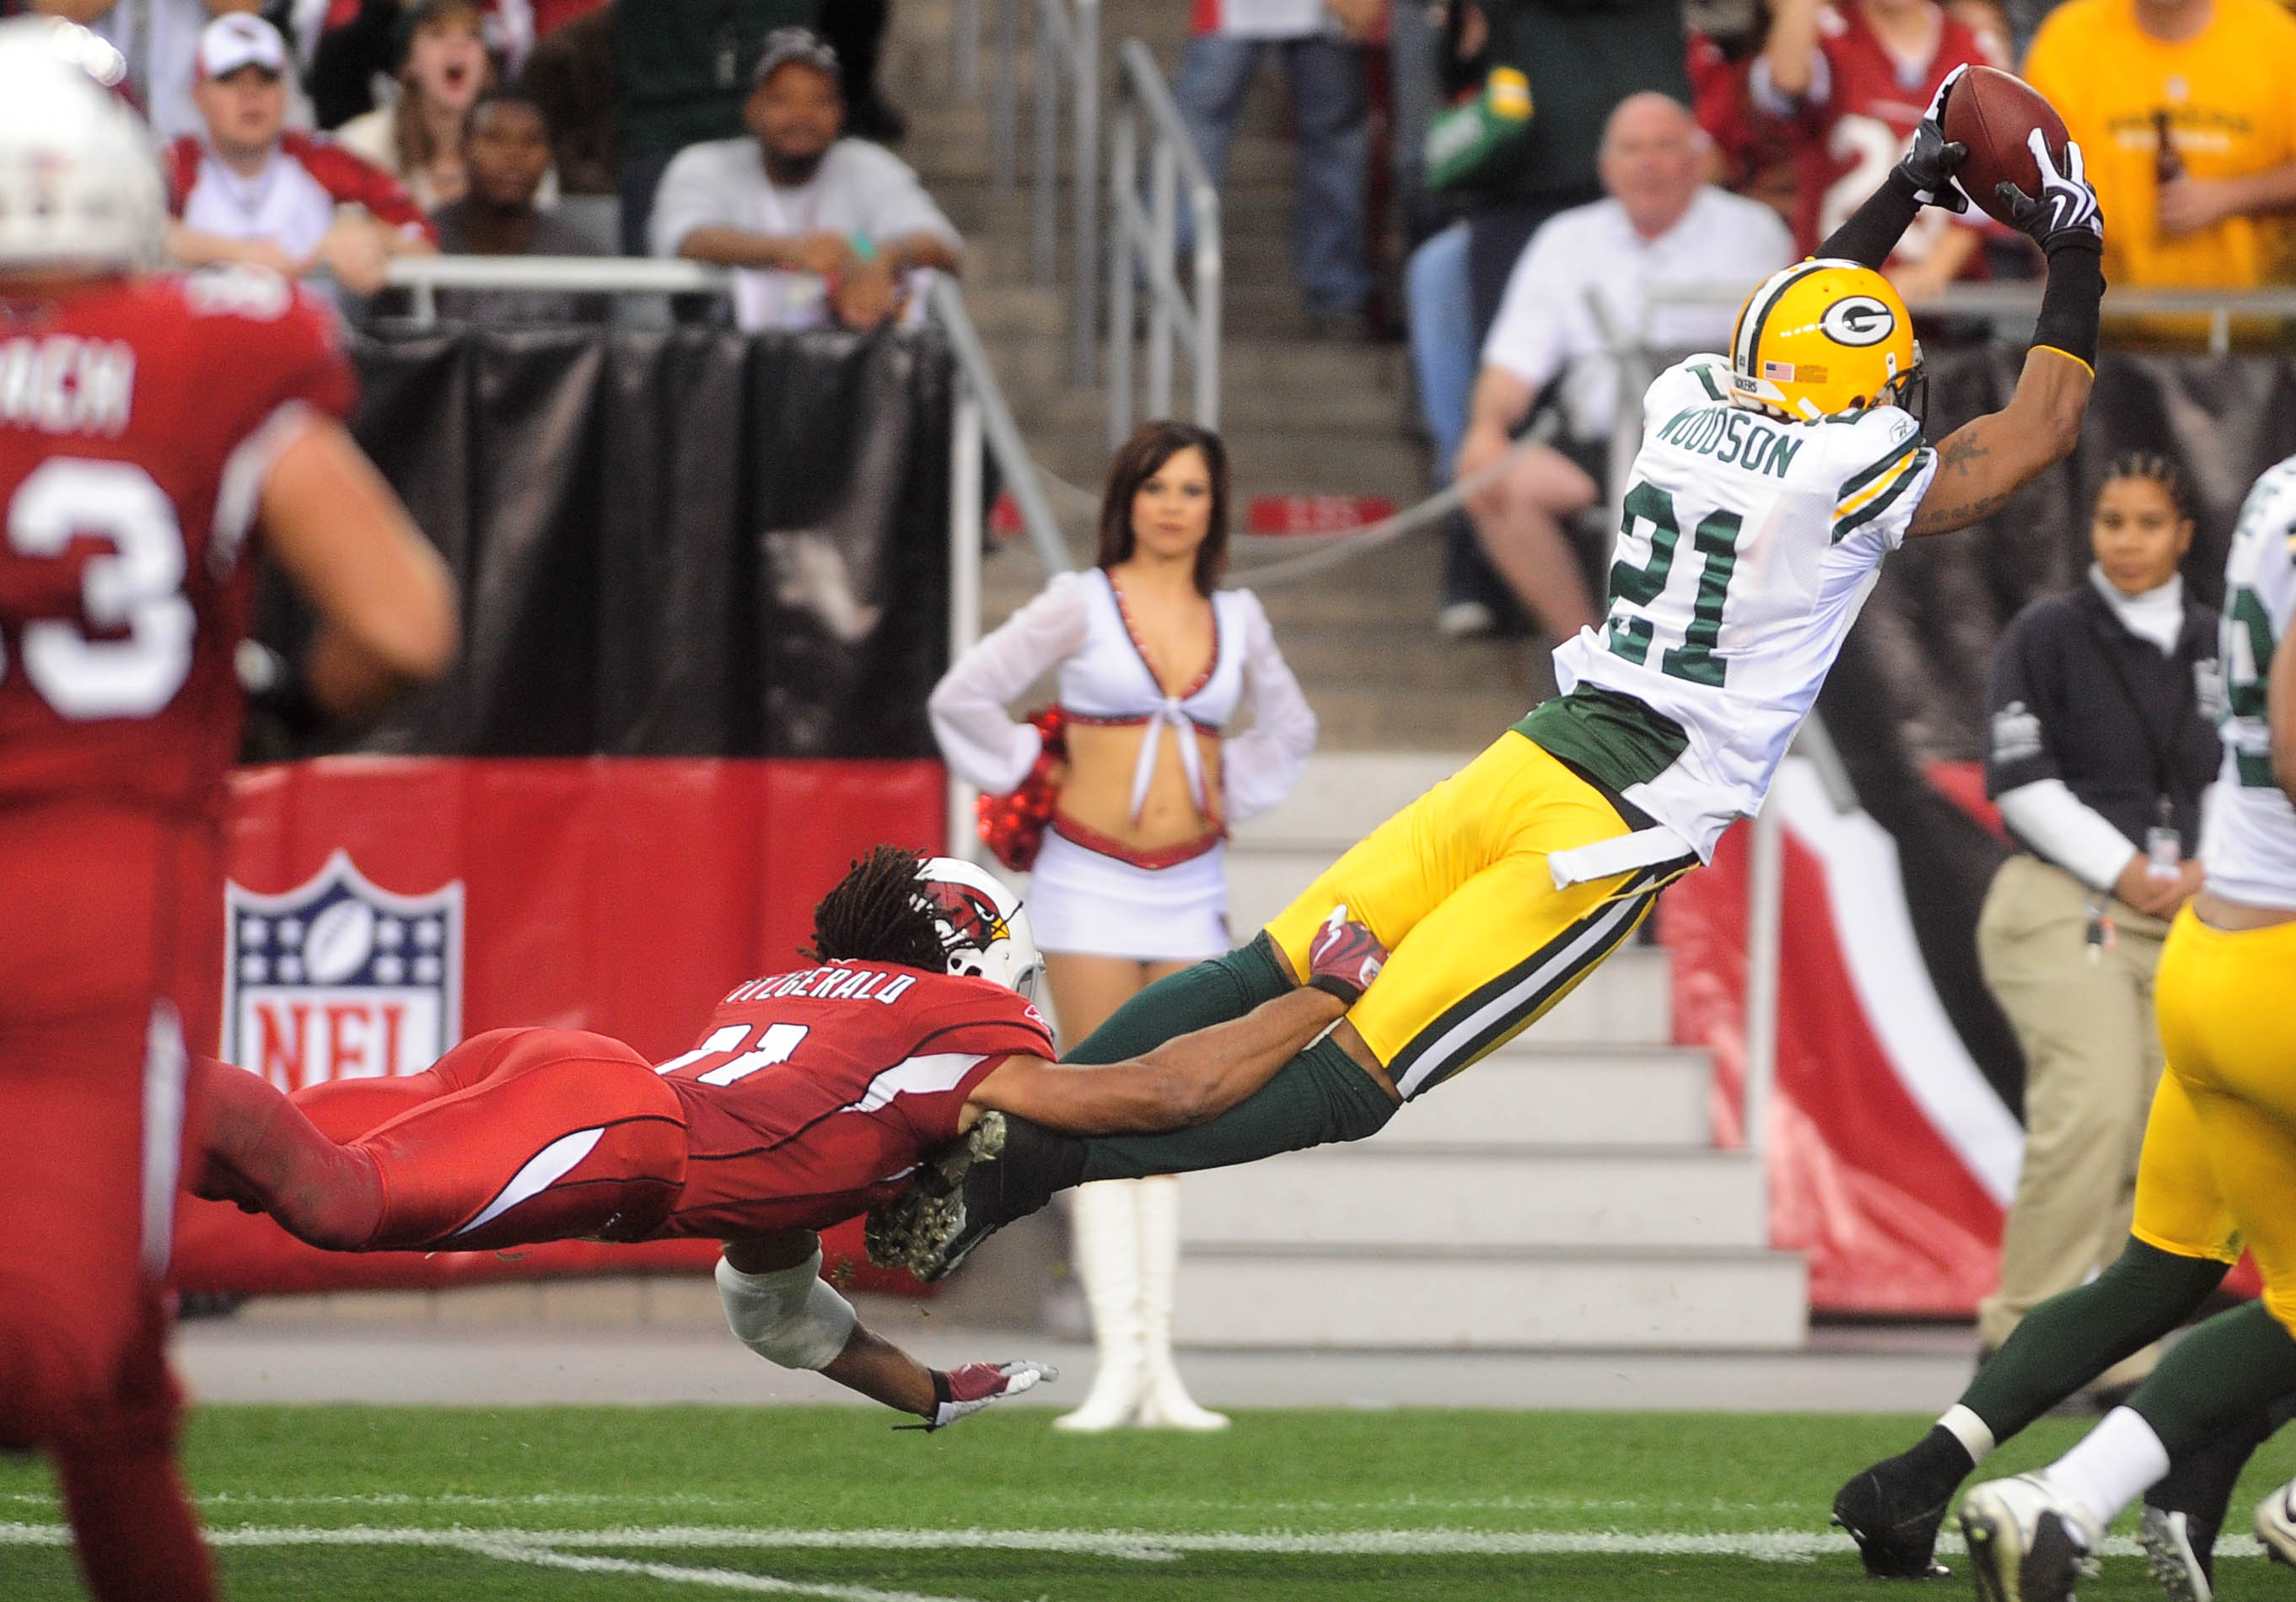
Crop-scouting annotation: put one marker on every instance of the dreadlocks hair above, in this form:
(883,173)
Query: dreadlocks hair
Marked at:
(2151,464)
(876,914)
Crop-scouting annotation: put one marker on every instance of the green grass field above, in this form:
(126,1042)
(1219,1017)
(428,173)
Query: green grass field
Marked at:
(559,1503)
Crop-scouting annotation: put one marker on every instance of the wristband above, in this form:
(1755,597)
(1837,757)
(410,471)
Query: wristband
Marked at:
(864,249)
(2070,302)
(1873,230)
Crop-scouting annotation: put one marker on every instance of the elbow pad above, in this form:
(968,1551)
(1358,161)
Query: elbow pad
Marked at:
(791,1317)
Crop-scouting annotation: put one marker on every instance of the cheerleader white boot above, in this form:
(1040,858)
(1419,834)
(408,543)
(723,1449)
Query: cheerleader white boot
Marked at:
(1103,1222)
(1166,1404)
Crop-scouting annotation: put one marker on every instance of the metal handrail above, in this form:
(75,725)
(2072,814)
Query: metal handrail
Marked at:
(1142,245)
(1067,52)
(634,274)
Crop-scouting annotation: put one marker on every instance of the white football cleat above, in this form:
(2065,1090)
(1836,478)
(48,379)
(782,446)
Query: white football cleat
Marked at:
(2275,1523)
(2167,1542)
(2025,1543)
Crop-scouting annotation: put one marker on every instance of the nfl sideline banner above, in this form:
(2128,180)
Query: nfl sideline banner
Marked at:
(1895,1143)
(381,909)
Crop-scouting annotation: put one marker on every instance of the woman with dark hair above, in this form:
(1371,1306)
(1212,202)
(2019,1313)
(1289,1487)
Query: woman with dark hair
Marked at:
(444,64)
(1154,663)
(2102,738)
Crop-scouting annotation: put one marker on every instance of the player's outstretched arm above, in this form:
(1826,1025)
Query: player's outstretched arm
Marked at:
(1193,1078)
(780,1308)
(1982,463)
(386,604)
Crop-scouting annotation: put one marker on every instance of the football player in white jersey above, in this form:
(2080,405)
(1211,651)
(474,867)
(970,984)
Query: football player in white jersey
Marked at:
(1770,484)
(2224,1031)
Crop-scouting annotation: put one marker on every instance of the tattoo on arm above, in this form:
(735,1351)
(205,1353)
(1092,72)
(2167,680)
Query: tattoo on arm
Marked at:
(1958,475)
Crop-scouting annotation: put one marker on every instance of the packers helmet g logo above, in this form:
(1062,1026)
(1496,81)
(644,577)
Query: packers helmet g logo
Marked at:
(1859,320)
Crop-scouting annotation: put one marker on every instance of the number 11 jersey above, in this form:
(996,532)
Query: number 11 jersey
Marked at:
(1747,545)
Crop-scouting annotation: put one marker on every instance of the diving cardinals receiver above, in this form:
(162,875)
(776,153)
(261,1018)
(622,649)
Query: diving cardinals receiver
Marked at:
(811,1096)
(149,428)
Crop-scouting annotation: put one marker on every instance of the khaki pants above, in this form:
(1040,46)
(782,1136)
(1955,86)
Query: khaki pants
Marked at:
(2092,1059)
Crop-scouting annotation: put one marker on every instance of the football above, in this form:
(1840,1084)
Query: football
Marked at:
(1994,112)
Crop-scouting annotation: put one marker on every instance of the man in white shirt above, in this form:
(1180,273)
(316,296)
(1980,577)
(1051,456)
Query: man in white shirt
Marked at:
(251,190)
(824,228)
(1661,225)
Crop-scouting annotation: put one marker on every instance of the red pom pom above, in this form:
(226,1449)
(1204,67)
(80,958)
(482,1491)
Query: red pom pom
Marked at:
(1012,825)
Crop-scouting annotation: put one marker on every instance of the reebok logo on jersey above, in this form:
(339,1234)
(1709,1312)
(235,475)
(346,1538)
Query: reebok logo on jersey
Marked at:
(1733,438)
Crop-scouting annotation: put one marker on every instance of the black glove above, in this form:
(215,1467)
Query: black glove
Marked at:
(2064,215)
(1925,174)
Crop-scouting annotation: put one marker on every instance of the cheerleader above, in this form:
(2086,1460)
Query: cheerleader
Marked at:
(1154,665)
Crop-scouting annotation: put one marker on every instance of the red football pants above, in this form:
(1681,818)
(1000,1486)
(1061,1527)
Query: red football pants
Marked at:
(96,951)
(516,1137)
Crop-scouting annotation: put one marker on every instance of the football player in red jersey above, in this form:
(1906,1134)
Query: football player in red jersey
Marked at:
(811,1096)
(1850,82)
(148,427)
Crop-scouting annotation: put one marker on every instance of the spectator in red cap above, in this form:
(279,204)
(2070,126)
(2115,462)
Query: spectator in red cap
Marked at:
(251,193)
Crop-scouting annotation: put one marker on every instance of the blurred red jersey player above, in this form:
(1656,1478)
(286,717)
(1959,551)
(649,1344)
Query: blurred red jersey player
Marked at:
(149,428)
(1850,82)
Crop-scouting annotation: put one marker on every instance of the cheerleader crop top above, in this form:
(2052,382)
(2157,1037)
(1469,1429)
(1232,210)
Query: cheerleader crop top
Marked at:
(1077,624)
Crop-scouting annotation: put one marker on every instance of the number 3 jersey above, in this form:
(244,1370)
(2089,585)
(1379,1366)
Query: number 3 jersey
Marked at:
(138,420)
(813,1095)
(1747,545)
(2248,847)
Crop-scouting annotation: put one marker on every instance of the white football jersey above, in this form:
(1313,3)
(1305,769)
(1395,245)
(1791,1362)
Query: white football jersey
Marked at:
(2249,848)
(1747,546)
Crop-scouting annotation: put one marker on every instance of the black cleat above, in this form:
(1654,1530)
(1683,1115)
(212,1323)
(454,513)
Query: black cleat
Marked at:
(1894,1524)
(2178,1552)
(919,1230)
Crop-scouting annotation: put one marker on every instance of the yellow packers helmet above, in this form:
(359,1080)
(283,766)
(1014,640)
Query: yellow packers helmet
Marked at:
(1823,338)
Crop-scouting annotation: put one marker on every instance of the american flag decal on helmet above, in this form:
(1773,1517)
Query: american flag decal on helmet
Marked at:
(1779,371)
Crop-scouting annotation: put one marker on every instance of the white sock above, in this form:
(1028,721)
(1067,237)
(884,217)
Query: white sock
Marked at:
(1976,1437)
(2110,1467)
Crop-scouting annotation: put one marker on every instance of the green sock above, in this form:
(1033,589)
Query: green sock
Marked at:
(1319,1096)
(2072,1338)
(2235,1362)
(1211,992)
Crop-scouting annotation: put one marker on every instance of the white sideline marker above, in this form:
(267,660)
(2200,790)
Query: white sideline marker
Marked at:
(550,1547)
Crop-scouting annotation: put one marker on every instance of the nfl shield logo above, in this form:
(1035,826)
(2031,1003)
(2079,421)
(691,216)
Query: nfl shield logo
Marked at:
(337,979)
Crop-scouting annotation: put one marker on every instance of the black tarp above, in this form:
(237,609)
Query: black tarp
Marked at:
(684,543)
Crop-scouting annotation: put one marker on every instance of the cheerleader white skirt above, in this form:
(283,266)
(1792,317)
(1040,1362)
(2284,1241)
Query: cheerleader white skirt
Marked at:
(1087,904)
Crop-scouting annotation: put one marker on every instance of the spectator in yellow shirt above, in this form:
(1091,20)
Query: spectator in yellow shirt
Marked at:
(2216,80)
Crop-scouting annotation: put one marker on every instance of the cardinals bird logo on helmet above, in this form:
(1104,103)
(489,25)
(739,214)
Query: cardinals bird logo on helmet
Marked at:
(983,927)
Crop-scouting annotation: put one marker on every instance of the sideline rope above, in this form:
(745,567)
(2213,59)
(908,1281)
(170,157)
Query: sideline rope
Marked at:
(1330,550)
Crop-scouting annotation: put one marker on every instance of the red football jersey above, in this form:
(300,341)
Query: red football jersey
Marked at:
(1849,141)
(136,421)
(813,1095)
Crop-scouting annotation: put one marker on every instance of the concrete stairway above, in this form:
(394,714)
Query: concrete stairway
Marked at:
(1564,1192)
(1301,415)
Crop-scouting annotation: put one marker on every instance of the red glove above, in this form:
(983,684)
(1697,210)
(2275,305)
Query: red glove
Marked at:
(1344,958)
(961,1392)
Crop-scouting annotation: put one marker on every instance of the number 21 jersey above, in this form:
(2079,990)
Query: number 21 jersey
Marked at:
(1747,545)
(2249,848)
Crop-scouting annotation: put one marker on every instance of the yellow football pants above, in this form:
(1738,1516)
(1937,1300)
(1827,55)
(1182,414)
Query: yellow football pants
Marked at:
(1457,887)
(2226,1029)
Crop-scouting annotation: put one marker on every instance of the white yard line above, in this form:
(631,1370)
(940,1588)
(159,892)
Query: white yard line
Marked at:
(1766,1545)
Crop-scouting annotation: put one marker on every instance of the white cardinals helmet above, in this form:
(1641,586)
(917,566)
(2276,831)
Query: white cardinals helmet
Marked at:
(983,924)
(80,179)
